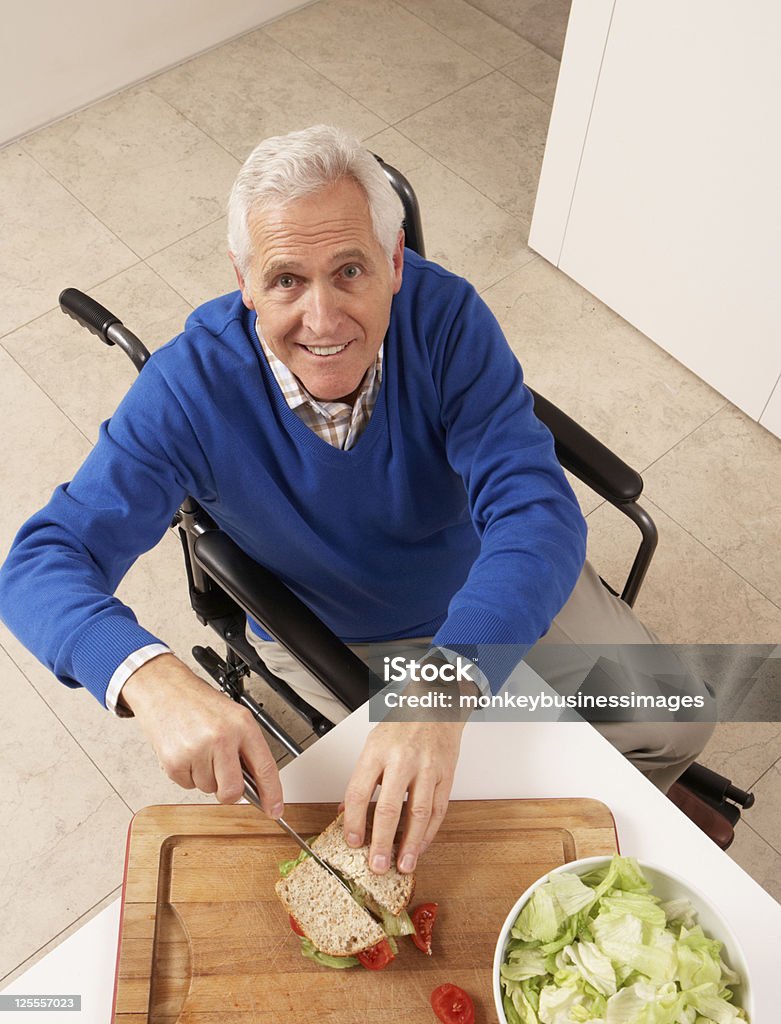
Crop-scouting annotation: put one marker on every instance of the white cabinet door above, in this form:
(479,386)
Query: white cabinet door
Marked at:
(674,218)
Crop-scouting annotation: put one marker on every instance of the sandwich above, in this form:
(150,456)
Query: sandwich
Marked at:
(338,929)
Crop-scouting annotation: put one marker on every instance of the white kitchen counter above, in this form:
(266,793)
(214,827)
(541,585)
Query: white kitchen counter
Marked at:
(498,760)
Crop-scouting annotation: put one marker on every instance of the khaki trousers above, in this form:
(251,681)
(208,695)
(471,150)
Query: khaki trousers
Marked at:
(565,658)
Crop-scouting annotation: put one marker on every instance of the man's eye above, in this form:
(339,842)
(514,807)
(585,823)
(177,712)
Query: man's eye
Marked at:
(352,271)
(286,281)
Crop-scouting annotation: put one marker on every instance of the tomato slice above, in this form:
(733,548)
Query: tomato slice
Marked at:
(376,957)
(296,927)
(423,917)
(452,1005)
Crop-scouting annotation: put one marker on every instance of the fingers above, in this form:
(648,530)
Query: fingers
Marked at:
(260,762)
(386,819)
(229,782)
(360,789)
(418,817)
(438,811)
(181,776)
(414,759)
(202,772)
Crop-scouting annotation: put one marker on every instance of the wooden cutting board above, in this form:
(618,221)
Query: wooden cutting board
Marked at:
(204,939)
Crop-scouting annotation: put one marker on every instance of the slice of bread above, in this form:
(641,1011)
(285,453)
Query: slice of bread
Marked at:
(327,914)
(392,891)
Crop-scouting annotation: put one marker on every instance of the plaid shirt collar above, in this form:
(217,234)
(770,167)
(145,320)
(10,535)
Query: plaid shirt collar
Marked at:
(338,423)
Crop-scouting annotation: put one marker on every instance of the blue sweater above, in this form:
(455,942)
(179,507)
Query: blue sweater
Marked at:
(451,515)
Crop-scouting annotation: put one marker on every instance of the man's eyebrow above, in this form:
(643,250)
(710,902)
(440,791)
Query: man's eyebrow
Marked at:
(280,265)
(345,255)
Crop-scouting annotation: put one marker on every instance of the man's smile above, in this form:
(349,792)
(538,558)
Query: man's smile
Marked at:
(325,351)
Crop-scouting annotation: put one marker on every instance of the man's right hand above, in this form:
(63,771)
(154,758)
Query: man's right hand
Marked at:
(200,736)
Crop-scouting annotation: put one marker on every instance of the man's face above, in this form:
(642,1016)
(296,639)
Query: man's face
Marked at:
(322,287)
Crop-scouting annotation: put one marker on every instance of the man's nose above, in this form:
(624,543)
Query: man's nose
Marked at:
(322,313)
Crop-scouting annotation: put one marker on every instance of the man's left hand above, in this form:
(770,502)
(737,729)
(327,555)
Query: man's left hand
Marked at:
(415,758)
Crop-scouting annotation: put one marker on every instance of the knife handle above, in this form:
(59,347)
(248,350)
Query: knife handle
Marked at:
(250,789)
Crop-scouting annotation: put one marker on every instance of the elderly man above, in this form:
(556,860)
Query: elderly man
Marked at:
(354,419)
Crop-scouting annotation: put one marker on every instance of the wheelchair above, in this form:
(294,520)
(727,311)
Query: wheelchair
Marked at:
(225,585)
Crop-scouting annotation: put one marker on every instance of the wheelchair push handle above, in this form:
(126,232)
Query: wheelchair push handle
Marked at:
(87,312)
(103,324)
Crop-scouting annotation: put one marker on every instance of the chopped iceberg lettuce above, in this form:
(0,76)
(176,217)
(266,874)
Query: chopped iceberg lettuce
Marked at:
(286,866)
(393,925)
(600,948)
(311,952)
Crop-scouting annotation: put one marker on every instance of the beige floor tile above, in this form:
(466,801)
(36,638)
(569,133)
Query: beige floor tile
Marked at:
(470,28)
(58,810)
(61,936)
(743,751)
(48,237)
(41,447)
(690,596)
(252,88)
(491,133)
(138,165)
(536,71)
(84,377)
(378,53)
(757,858)
(198,267)
(596,367)
(765,815)
(723,484)
(542,22)
(463,230)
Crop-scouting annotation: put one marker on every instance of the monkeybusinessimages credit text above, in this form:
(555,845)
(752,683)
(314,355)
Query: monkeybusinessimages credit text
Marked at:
(449,696)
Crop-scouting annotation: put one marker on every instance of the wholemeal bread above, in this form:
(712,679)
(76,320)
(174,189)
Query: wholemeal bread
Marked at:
(391,891)
(326,913)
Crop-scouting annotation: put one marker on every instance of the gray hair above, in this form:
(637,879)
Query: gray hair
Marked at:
(288,167)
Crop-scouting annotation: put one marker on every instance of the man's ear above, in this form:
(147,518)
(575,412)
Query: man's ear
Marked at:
(398,262)
(246,297)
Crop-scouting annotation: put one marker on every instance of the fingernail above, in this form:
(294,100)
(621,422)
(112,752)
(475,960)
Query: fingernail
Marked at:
(353,839)
(379,862)
(407,862)
(277,810)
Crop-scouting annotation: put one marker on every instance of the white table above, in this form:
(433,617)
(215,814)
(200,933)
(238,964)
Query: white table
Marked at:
(498,760)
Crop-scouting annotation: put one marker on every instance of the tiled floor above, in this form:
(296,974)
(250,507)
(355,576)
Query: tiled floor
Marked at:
(126,200)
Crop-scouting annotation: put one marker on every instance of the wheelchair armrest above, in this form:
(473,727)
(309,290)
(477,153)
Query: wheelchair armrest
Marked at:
(264,597)
(610,477)
(590,461)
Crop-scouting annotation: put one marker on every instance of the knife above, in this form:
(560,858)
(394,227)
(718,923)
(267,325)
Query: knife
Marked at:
(251,794)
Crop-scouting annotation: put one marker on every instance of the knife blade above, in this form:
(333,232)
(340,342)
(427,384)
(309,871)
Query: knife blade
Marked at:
(251,794)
